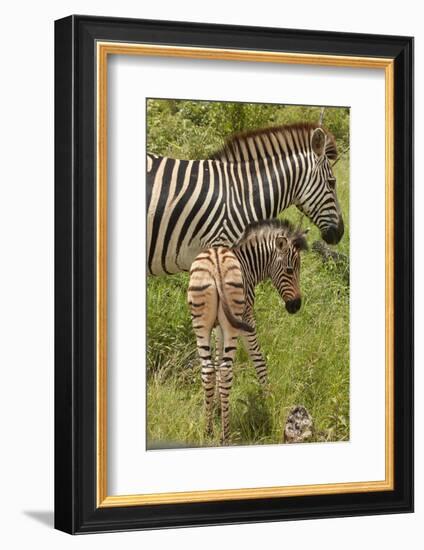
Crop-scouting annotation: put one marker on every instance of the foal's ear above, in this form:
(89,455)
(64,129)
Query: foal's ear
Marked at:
(300,241)
(318,141)
(281,242)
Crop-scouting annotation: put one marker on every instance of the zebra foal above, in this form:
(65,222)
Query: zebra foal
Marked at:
(221,293)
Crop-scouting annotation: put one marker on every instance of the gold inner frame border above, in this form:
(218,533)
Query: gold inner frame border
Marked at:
(103,50)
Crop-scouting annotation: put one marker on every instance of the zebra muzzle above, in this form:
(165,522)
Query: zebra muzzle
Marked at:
(293,306)
(333,233)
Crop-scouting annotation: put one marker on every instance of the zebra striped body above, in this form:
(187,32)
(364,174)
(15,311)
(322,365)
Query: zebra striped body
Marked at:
(221,293)
(196,204)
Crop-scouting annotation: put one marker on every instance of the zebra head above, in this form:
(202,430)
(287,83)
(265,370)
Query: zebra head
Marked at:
(317,197)
(285,268)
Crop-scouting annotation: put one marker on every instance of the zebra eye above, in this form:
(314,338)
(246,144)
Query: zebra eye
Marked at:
(332,182)
(289,270)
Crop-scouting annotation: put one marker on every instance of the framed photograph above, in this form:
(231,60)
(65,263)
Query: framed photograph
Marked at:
(234,274)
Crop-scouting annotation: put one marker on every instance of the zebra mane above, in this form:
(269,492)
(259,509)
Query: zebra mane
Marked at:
(272,141)
(281,227)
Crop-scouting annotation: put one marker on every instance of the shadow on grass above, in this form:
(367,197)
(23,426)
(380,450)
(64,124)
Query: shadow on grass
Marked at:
(251,417)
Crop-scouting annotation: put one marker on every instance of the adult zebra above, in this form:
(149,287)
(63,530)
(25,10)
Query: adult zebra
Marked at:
(197,204)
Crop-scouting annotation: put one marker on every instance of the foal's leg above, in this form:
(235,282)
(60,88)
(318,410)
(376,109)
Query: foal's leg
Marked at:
(219,350)
(208,377)
(225,380)
(203,305)
(251,343)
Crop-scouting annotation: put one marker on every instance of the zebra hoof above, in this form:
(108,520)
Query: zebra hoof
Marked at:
(209,431)
(267,391)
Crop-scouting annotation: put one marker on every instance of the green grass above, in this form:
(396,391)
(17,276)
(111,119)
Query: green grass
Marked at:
(307,356)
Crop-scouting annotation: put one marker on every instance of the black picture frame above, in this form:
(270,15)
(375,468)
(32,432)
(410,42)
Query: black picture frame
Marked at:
(76,510)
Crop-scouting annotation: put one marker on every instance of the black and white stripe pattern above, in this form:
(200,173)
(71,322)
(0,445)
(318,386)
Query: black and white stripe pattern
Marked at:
(196,204)
(269,249)
(222,292)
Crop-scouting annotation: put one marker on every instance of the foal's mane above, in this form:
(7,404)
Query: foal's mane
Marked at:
(281,227)
(272,141)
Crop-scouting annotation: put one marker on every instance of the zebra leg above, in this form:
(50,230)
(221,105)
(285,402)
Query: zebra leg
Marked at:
(208,382)
(225,383)
(219,350)
(202,298)
(255,354)
(208,379)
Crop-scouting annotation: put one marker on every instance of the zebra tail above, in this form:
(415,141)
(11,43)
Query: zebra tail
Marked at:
(236,323)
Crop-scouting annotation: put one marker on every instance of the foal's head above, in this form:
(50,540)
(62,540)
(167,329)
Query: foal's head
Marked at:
(284,269)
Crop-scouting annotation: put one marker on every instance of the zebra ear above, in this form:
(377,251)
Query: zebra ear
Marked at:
(281,242)
(318,141)
(300,241)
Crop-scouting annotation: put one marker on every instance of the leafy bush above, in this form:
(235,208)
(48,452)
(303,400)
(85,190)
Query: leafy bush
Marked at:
(195,129)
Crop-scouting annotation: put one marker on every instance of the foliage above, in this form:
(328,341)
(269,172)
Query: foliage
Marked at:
(195,129)
(307,353)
